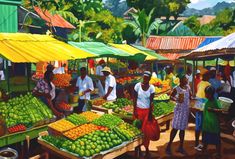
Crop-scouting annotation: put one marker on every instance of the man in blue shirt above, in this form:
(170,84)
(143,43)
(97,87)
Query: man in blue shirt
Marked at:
(215,83)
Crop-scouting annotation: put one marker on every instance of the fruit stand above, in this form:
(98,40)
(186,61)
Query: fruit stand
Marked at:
(23,116)
(90,135)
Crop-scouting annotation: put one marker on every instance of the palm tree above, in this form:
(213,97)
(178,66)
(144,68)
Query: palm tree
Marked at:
(144,24)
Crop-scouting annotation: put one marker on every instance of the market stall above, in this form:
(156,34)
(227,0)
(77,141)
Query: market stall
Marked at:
(90,135)
(25,115)
(223,48)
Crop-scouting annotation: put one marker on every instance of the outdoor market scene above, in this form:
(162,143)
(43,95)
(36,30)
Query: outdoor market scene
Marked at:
(117,79)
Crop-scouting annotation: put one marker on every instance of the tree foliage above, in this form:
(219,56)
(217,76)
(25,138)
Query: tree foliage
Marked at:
(164,7)
(143,25)
(223,24)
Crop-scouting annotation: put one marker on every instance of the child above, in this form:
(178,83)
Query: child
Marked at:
(210,126)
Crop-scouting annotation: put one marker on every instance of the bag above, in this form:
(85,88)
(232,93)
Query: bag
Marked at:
(151,129)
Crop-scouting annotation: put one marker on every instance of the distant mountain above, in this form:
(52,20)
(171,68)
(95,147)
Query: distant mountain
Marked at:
(208,11)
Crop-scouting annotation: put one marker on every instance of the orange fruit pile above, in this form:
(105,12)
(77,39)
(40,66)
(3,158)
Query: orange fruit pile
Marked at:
(98,102)
(81,131)
(61,80)
(90,116)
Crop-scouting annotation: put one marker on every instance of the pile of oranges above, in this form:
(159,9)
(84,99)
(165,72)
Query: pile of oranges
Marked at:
(98,102)
(61,80)
(80,131)
(90,116)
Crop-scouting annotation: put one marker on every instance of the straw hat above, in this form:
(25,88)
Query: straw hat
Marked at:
(106,69)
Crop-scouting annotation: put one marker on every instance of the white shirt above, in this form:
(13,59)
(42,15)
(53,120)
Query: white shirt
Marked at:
(84,85)
(143,99)
(110,81)
(59,70)
(2,75)
(99,70)
(189,77)
(52,92)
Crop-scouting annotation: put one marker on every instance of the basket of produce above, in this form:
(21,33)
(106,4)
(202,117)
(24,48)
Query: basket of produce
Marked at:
(225,103)
(161,98)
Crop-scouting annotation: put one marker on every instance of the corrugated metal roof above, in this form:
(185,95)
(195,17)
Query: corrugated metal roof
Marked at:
(10,2)
(174,42)
(208,41)
(173,56)
(8,18)
(53,20)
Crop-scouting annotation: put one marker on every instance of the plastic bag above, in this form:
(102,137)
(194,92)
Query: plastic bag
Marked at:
(151,129)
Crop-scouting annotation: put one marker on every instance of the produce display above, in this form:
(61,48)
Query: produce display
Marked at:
(160,86)
(110,105)
(125,80)
(92,143)
(76,119)
(122,102)
(163,108)
(93,138)
(90,116)
(61,125)
(162,97)
(127,110)
(16,128)
(108,120)
(64,106)
(57,141)
(83,130)
(26,110)
(61,80)
(98,102)
(126,131)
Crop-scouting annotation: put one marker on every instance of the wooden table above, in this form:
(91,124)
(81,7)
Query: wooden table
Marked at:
(115,153)
(165,119)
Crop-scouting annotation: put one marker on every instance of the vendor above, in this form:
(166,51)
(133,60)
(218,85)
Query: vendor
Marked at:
(85,86)
(110,85)
(45,90)
(143,103)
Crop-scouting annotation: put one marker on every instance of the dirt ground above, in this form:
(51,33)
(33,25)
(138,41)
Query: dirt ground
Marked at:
(158,148)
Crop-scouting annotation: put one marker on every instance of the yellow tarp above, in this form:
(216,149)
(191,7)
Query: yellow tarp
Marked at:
(132,50)
(22,47)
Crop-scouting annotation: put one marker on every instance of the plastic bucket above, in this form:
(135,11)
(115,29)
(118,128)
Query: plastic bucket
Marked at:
(225,103)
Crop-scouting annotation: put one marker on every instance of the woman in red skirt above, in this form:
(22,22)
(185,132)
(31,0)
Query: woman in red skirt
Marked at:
(143,104)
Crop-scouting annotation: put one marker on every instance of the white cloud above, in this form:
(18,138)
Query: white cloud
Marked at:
(194,1)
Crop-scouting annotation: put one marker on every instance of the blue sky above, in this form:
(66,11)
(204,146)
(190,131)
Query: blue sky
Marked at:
(201,4)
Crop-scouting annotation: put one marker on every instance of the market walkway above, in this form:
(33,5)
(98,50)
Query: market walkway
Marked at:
(228,148)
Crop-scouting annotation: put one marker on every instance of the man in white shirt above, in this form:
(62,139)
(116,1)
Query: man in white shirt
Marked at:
(85,86)
(110,85)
